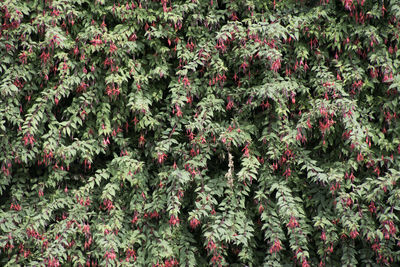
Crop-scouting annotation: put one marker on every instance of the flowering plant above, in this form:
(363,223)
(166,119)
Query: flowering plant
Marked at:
(199,132)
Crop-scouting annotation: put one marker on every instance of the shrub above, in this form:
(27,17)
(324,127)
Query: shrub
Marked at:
(192,133)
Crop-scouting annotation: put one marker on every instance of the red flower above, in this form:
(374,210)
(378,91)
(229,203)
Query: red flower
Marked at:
(154,214)
(44,57)
(53,262)
(28,139)
(108,204)
(260,209)
(354,234)
(161,157)
(275,166)
(276,247)
(194,223)
(323,236)
(16,207)
(292,223)
(330,249)
(376,246)
(372,207)
(173,220)
(96,41)
(113,47)
(388,225)
(211,245)
(22,58)
(309,124)
(110,255)
(246,151)
(135,219)
(142,140)
(216,258)
(305,263)
(287,173)
(230,104)
(276,65)
(178,111)
(130,253)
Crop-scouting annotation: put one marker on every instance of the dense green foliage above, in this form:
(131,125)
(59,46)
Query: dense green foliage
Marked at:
(192,133)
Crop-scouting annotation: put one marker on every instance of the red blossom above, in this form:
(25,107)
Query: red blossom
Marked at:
(376,246)
(23,58)
(174,220)
(96,41)
(142,140)
(161,157)
(44,57)
(230,104)
(309,124)
(129,254)
(388,229)
(305,263)
(246,151)
(260,208)
(135,219)
(154,214)
(276,65)
(108,204)
(216,258)
(323,236)
(113,48)
(194,223)
(292,223)
(178,111)
(354,234)
(287,173)
(110,255)
(53,262)
(16,207)
(211,246)
(276,247)
(28,139)
(274,166)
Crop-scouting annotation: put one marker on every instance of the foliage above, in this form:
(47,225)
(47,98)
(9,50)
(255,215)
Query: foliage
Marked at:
(192,133)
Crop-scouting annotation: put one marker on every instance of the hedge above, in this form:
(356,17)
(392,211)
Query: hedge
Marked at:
(199,133)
